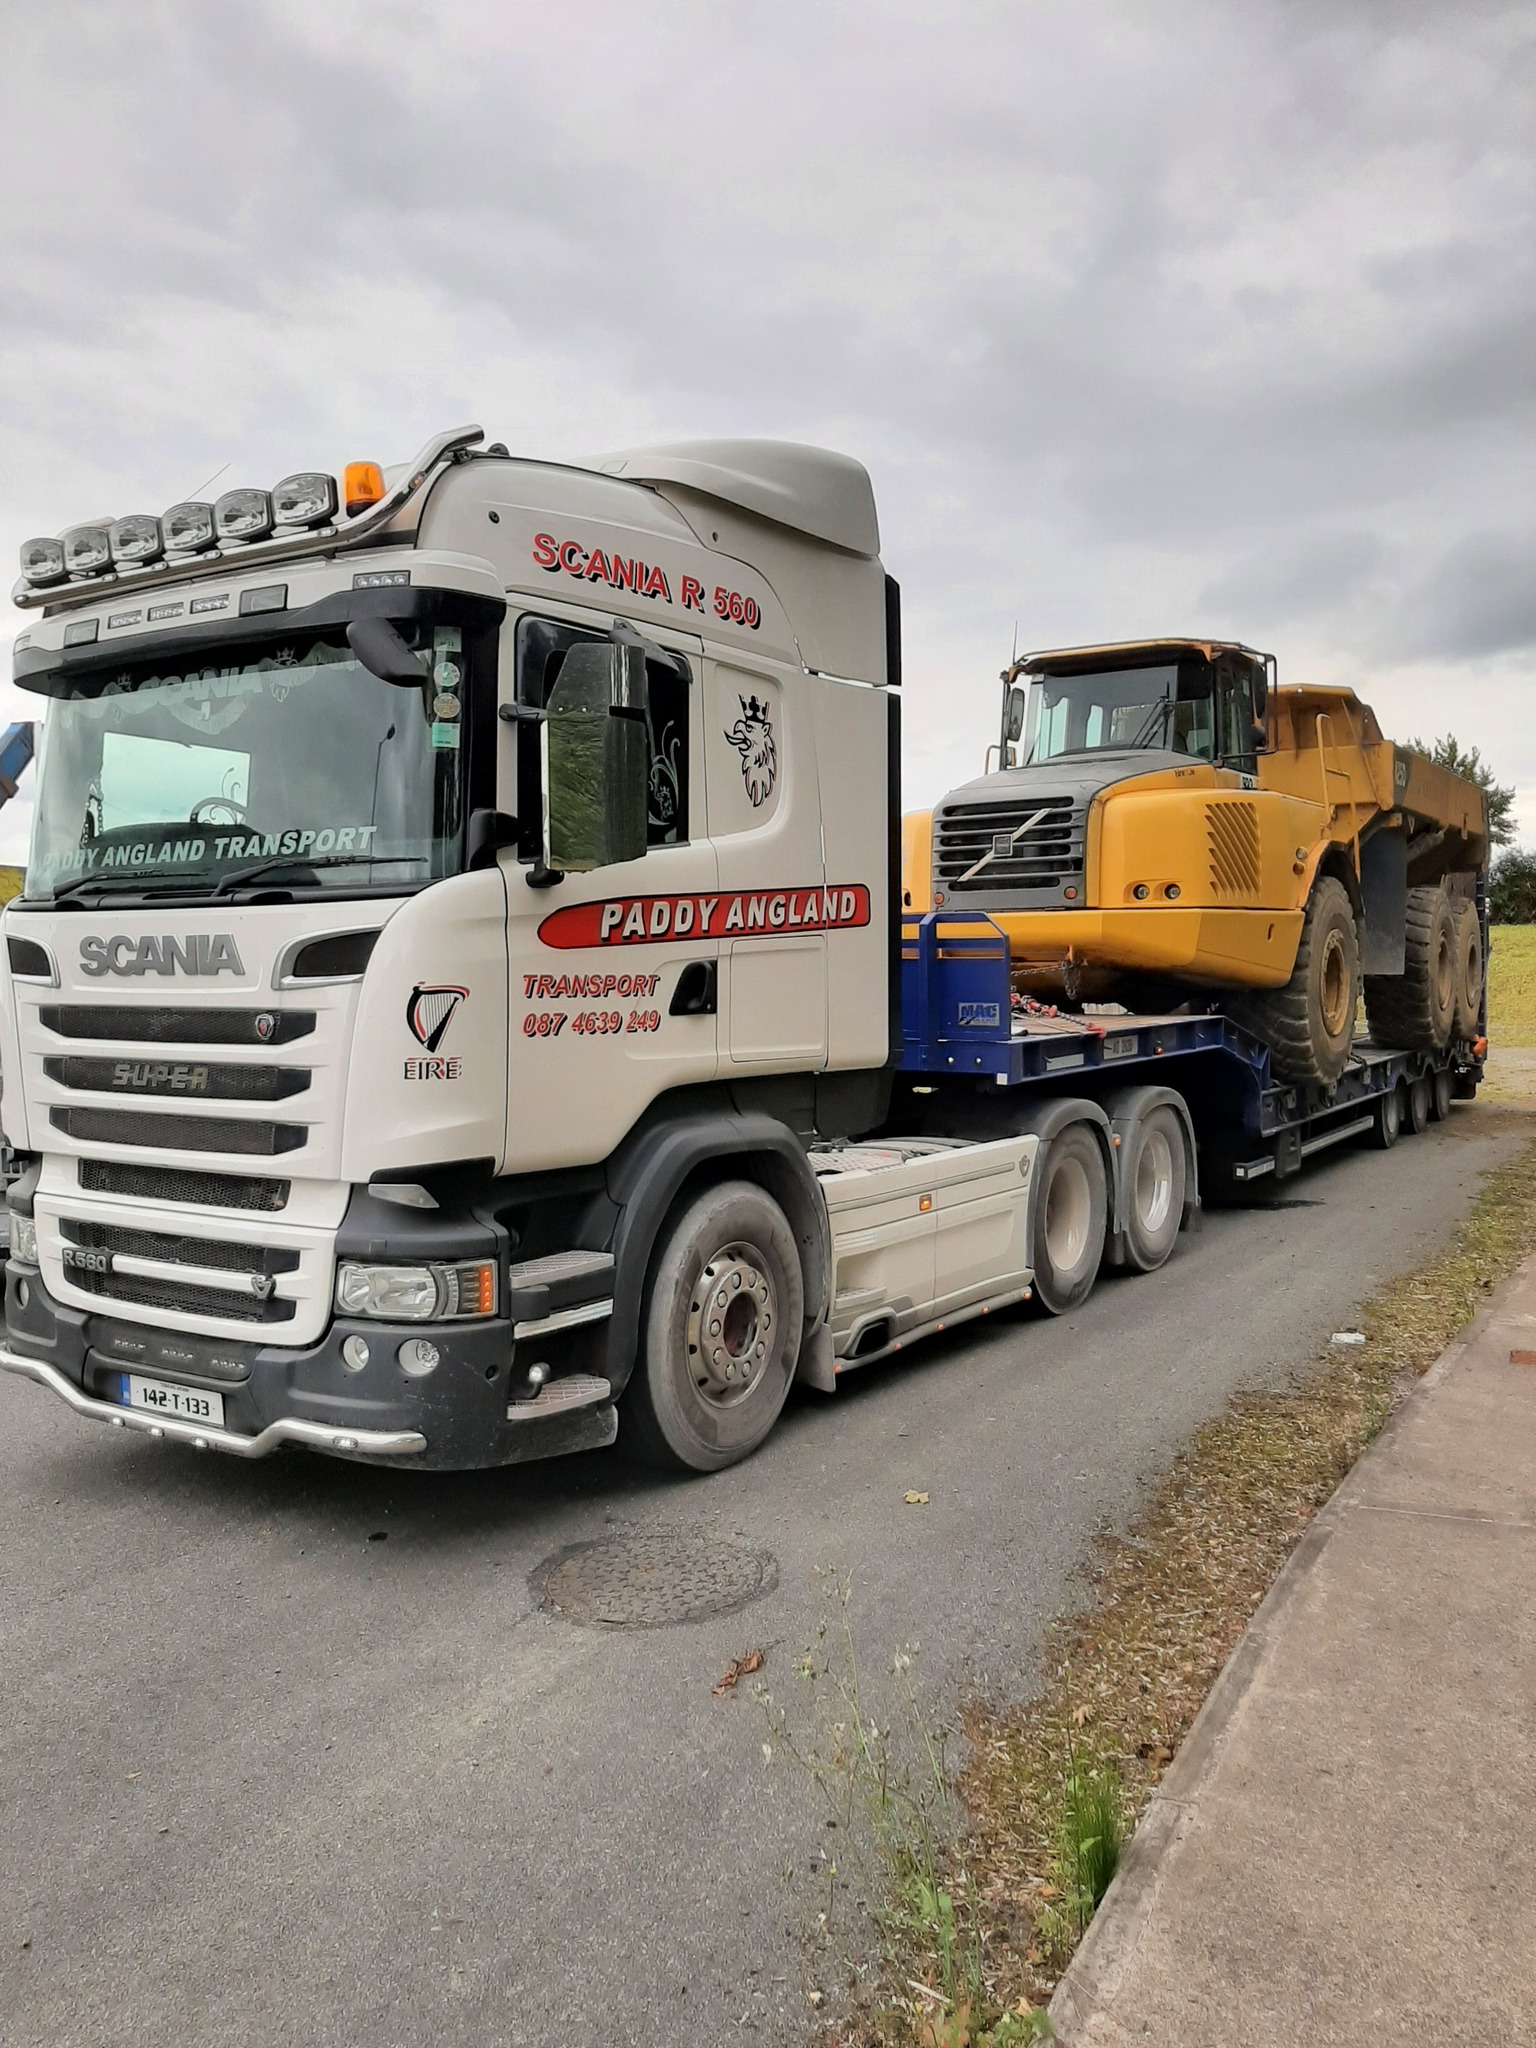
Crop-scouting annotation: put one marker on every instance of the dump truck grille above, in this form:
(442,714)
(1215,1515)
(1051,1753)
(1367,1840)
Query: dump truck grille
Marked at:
(1034,843)
(1233,832)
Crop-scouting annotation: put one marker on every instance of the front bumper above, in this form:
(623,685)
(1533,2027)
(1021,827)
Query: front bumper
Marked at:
(459,1417)
(1247,948)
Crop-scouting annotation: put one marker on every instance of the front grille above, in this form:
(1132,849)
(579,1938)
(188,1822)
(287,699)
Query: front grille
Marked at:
(137,1023)
(177,1133)
(177,1077)
(1035,843)
(1232,829)
(142,1292)
(216,1253)
(171,1184)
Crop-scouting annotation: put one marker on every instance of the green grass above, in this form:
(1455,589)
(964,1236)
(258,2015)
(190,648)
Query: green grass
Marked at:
(1512,985)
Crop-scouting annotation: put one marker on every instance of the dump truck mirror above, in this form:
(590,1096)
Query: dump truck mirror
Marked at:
(1260,694)
(595,758)
(1013,717)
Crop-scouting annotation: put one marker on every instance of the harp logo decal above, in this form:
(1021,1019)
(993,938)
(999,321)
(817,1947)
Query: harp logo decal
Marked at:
(429,1010)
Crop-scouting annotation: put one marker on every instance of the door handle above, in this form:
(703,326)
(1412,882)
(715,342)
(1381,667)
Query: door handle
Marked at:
(695,994)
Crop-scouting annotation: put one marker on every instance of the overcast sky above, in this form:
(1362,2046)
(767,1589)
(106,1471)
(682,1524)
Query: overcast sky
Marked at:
(1153,318)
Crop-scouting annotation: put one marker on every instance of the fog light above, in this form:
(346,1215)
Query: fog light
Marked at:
(354,1353)
(87,550)
(418,1357)
(135,539)
(23,1239)
(1172,892)
(188,528)
(1141,892)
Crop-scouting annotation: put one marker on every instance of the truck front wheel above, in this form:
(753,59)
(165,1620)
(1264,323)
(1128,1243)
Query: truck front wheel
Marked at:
(1309,1025)
(1071,1204)
(720,1332)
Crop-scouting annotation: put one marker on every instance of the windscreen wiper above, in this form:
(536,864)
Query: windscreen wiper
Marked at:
(114,886)
(1157,716)
(278,861)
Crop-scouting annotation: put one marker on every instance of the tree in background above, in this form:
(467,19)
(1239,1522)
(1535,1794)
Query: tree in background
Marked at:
(1500,798)
(1512,889)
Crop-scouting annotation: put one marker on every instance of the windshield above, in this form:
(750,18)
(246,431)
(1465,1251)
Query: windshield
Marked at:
(1119,708)
(289,757)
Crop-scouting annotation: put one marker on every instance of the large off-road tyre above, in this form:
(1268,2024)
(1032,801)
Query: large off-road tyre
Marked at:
(1309,1025)
(1469,970)
(720,1329)
(1152,1167)
(1071,1209)
(1415,1011)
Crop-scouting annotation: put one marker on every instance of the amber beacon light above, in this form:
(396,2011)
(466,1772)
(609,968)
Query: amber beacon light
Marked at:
(362,485)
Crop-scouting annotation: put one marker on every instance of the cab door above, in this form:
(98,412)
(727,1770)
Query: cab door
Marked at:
(765,823)
(612,999)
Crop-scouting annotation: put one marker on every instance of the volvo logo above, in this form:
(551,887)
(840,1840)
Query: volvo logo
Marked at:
(197,953)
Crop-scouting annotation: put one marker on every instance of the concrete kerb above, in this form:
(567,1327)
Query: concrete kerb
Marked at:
(1080,2007)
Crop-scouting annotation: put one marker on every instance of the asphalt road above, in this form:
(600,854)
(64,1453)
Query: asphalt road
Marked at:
(291,1753)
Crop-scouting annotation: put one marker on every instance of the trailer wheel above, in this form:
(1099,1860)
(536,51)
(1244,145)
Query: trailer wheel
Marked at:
(1309,1025)
(1387,1123)
(1469,970)
(1071,1206)
(1153,1167)
(1419,1098)
(720,1331)
(1416,1010)
(1440,1095)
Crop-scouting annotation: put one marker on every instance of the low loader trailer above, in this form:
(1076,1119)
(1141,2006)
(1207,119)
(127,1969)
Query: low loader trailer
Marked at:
(462,1010)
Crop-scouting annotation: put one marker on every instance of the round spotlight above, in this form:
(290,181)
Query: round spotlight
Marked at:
(1173,892)
(243,515)
(188,528)
(305,499)
(354,1352)
(42,561)
(418,1357)
(87,550)
(135,539)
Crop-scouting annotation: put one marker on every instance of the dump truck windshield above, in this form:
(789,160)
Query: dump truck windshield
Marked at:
(1119,709)
(286,759)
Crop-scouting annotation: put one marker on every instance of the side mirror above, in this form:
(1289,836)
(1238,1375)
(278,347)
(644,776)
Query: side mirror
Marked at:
(384,654)
(596,760)
(1260,694)
(1013,715)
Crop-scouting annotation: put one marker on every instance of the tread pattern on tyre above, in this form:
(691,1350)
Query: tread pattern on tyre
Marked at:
(1400,1007)
(1282,1017)
(1469,969)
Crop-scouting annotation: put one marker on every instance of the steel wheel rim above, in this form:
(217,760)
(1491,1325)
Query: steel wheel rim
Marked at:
(1154,1181)
(733,1315)
(1334,988)
(1068,1215)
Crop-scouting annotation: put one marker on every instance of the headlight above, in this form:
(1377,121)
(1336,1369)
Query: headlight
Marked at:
(42,561)
(306,499)
(87,550)
(243,515)
(417,1294)
(23,1239)
(135,539)
(188,527)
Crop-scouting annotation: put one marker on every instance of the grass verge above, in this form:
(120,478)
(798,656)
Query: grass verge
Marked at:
(1048,1788)
(1512,985)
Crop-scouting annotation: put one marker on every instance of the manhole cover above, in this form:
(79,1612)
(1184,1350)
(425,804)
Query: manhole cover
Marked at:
(653,1581)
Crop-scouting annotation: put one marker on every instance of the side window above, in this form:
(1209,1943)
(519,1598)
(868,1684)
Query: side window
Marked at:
(542,645)
(1236,700)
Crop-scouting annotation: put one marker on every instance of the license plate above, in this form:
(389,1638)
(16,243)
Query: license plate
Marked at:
(186,1404)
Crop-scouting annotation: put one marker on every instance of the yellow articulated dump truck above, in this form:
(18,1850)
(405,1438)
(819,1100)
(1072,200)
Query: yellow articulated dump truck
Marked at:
(1167,826)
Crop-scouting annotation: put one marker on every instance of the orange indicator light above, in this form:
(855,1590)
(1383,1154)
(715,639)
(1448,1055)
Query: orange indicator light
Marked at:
(362,485)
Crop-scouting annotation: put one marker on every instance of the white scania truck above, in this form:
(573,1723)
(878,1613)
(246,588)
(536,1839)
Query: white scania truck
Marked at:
(456,1002)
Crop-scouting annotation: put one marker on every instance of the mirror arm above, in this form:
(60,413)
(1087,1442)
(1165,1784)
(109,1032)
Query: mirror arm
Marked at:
(623,634)
(541,877)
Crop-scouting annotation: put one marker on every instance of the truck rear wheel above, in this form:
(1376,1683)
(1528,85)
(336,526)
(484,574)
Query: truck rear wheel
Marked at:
(1153,1168)
(1071,1205)
(1469,970)
(1309,1025)
(1416,1010)
(720,1332)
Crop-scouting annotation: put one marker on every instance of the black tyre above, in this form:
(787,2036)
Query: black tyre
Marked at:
(1387,1123)
(1071,1206)
(720,1332)
(1469,970)
(1420,1096)
(1309,1025)
(1153,1165)
(1416,1010)
(1440,1095)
